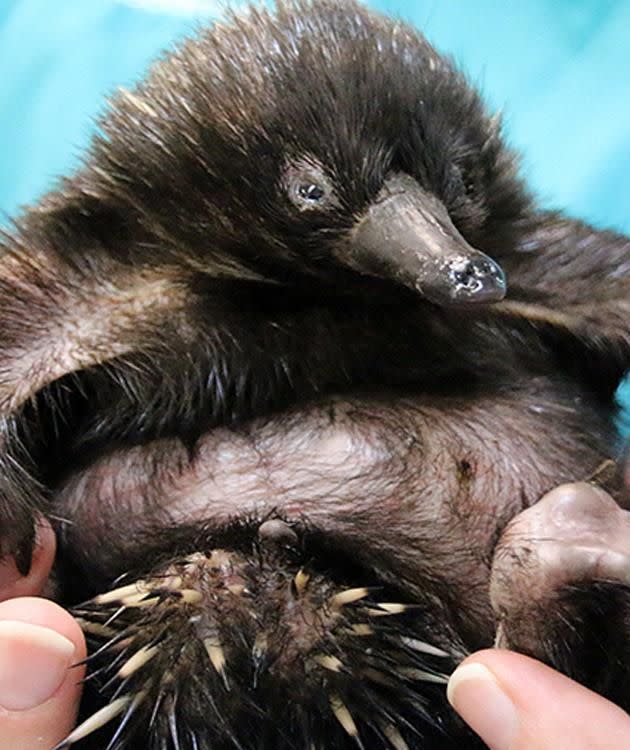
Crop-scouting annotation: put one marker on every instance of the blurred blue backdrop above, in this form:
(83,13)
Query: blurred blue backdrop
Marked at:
(559,69)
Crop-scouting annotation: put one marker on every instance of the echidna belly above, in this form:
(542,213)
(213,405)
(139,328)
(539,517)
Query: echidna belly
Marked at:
(307,580)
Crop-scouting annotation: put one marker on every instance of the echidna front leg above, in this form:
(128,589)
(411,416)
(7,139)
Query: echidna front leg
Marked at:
(60,316)
(560,587)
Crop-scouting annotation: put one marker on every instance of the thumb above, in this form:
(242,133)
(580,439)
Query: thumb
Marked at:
(516,703)
(39,688)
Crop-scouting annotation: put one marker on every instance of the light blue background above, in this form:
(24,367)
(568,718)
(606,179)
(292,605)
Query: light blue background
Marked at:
(560,70)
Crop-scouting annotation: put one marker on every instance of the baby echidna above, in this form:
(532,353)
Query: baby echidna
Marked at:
(282,362)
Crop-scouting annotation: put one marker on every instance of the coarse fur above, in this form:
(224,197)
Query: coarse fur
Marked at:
(190,351)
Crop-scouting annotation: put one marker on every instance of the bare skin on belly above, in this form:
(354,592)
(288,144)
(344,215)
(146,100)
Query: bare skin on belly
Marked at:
(418,488)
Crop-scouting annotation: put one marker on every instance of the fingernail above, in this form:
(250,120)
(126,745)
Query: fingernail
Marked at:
(33,664)
(477,697)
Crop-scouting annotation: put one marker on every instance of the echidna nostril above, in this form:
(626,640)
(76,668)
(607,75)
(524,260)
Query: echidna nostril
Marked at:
(470,277)
(478,278)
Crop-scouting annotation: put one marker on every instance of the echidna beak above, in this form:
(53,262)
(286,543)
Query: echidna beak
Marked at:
(407,236)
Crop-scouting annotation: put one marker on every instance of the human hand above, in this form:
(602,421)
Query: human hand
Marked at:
(516,703)
(39,642)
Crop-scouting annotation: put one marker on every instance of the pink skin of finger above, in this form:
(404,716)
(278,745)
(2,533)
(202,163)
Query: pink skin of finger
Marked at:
(516,703)
(39,644)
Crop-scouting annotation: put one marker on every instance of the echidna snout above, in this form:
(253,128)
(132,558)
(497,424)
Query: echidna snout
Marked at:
(226,646)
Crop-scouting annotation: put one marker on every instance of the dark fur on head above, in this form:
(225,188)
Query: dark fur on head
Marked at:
(289,214)
(225,120)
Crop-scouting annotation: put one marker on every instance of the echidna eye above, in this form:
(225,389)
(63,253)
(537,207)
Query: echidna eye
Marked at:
(308,186)
(310,191)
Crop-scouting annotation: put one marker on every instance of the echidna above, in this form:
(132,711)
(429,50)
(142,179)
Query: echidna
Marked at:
(260,368)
